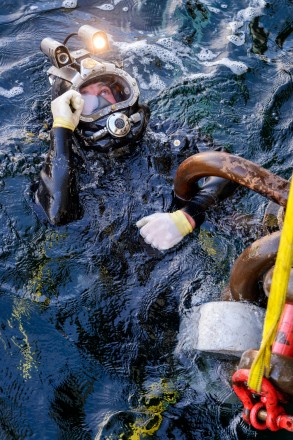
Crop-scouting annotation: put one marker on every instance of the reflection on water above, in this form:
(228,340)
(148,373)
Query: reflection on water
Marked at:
(89,314)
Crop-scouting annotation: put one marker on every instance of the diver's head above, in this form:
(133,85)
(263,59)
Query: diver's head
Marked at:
(112,116)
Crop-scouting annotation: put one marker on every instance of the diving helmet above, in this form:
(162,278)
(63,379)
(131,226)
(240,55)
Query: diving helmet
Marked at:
(112,116)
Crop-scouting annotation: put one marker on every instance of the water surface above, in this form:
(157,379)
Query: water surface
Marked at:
(90,315)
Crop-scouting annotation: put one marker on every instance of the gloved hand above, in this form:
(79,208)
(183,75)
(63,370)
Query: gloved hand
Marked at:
(64,115)
(164,230)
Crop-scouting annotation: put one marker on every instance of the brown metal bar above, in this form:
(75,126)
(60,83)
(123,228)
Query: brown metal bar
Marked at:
(231,167)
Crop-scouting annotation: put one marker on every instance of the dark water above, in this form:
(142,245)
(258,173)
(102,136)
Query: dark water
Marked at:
(89,314)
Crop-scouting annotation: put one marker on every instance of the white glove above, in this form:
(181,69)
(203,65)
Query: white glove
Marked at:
(64,115)
(164,230)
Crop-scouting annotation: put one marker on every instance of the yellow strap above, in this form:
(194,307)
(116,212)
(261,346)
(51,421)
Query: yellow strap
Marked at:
(181,222)
(277,298)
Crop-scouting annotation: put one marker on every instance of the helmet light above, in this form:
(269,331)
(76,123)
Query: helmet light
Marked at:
(95,41)
(100,42)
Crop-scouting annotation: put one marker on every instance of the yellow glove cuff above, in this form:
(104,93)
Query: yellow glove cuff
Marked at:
(181,222)
(60,122)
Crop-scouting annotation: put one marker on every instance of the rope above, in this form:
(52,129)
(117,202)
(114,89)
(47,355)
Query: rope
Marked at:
(261,364)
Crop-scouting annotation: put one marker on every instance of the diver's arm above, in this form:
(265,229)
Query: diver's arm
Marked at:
(165,230)
(212,192)
(57,192)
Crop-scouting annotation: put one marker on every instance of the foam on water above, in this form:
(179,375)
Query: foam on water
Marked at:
(237,39)
(247,14)
(206,54)
(200,76)
(154,83)
(111,6)
(17,90)
(214,10)
(172,5)
(166,42)
(235,25)
(251,12)
(237,67)
(106,7)
(165,51)
(255,9)
(70,4)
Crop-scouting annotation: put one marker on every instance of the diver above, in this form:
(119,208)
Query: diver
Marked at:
(95,106)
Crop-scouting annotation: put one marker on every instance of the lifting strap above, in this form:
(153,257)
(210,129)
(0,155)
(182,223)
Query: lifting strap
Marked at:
(261,364)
